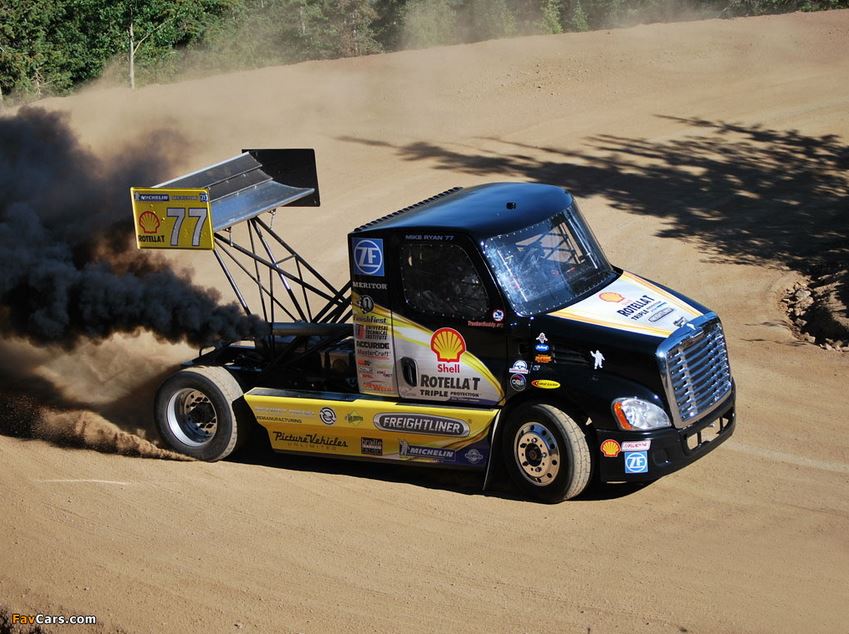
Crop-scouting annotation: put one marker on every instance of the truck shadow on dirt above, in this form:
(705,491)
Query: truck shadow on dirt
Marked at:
(745,194)
(260,454)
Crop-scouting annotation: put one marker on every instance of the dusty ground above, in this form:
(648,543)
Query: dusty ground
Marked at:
(711,156)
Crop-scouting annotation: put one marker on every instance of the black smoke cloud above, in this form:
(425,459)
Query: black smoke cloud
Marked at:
(69,269)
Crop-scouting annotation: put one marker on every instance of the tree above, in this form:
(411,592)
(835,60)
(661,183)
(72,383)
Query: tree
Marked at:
(155,28)
(551,16)
(578,19)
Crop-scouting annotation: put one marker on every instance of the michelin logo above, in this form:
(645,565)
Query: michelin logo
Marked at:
(435,453)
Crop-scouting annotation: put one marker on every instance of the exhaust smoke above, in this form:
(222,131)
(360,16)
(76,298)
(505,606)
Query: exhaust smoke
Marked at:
(70,271)
(69,266)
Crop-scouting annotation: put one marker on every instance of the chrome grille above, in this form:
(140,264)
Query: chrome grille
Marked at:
(695,370)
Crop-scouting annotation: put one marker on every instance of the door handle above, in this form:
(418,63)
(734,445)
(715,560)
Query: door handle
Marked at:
(408,369)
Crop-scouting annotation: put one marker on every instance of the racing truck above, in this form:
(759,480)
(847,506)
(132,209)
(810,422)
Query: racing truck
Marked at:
(482,328)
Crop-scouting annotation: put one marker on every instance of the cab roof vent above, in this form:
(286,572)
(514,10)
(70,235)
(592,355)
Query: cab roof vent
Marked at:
(371,223)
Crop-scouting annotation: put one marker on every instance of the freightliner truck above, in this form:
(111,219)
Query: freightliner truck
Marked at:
(480,328)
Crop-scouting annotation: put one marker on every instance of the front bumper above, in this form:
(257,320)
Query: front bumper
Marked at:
(669,449)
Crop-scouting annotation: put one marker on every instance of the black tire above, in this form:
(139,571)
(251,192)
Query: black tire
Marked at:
(201,412)
(545,453)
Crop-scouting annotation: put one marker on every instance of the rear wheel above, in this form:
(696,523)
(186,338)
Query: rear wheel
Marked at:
(546,453)
(196,412)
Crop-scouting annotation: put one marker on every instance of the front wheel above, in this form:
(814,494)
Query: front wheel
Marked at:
(546,453)
(196,412)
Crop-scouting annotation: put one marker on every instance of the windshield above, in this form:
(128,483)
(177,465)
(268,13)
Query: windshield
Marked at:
(547,265)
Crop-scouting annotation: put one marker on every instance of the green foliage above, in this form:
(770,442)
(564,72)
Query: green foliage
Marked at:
(551,17)
(47,46)
(51,46)
(578,18)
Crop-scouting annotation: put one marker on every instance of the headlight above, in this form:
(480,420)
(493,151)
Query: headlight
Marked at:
(635,413)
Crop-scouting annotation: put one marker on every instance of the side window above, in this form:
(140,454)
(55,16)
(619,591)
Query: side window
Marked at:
(440,280)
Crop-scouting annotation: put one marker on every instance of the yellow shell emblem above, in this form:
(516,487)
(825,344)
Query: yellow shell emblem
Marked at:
(611,297)
(448,344)
(149,222)
(610,448)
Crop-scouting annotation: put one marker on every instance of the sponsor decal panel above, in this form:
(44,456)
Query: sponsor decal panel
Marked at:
(542,347)
(633,304)
(373,344)
(636,462)
(543,358)
(636,445)
(368,256)
(448,345)
(439,454)
(519,367)
(371,446)
(598,359)
(447,370)
(498,315)
(282,415)
(660,313)
(545,384)
(518,382)
(153,198)
(382,422)
(327,415)
(311,440)
(369,286)
(611,297)
(610,448)
(473,456)
(172,219)
(353,418)
(422,424)
(484,324)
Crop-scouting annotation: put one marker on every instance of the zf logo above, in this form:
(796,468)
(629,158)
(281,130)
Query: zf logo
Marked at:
(368,257)
(636,462)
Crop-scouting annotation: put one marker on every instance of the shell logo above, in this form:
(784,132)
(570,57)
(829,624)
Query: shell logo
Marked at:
(610,448)
(610,297)
(149,222)
(448,344)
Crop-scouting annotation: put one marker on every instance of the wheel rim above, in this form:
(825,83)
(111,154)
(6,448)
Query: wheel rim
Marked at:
(537,454)
(192,417)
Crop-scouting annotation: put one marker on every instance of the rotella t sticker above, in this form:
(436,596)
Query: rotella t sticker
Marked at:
(438,366)
(633,304)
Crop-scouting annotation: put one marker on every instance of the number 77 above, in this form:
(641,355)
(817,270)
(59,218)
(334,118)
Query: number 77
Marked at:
(179,215)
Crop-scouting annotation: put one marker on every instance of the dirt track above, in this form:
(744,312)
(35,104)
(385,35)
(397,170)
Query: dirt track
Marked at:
(700,154)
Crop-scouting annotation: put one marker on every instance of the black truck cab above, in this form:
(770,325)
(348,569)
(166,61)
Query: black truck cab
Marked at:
(499,295)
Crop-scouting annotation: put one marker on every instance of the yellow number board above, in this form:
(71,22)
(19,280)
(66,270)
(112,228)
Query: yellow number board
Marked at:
(172,218)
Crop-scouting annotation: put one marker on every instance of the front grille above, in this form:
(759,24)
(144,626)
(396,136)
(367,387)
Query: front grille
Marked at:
(695,370)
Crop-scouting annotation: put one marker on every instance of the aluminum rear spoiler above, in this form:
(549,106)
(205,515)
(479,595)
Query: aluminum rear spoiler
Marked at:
(185,212)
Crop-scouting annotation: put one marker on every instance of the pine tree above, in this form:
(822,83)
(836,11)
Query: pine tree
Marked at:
(551,16)
(578,19)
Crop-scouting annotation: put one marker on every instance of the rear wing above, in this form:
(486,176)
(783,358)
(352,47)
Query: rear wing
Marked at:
(187,212)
